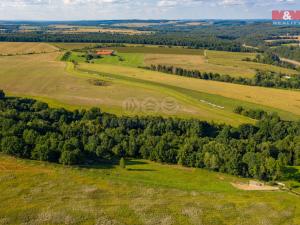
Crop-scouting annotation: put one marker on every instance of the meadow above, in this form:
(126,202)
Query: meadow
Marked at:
(143,193)
(220,93)
(19,48)
(46,78)
(49,81)
(62,28)
(230,63)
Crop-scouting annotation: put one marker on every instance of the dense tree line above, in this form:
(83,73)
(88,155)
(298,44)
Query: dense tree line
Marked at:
(272,59)
(290,52)
(171,39)
(220,34)
(30,129)
(257,114)
(261,78)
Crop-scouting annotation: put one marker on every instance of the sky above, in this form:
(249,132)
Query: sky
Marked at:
(141,9)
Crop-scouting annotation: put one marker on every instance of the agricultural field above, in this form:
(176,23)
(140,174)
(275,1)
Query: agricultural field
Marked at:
(49,80)
(233,64)
(147,122)
(19,48)
(143,193)
(218,92)
(74,46)
(121,88)
(94,29)
(229,63)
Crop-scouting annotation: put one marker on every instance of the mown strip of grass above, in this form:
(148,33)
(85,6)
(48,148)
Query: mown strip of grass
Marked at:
(195,97)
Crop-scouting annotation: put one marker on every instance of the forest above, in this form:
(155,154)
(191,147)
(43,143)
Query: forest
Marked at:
(272,59)
(290,52)
(172,39)
(30,129)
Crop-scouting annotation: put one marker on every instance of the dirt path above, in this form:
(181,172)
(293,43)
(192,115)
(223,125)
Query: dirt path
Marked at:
(294,62)
(249,187)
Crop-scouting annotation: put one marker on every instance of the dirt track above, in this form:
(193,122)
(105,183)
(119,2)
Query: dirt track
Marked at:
(248,187)
(294,62)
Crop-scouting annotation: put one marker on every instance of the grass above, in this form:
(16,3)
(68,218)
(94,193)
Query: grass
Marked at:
(12,48)
(72,46)
(292,178)
(233,62)
(143,193)
(158,50)
(122,59)
(133,91)
(278,100)
(230,63)
(191,62)
(95,29)
(48,80)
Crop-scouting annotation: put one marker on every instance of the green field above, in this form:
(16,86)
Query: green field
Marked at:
(205,61)
(122,59)
(143,193)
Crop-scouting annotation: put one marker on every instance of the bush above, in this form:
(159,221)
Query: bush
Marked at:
(2,94)
(122,163)
(71,157)
(66,56)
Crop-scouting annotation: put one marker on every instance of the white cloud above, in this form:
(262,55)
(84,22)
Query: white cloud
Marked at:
(140,9)
(97,2)
(173,3)
(167,3)
(231,2)
(24,2)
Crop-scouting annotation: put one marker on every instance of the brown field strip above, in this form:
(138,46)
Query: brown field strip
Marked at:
(13,48)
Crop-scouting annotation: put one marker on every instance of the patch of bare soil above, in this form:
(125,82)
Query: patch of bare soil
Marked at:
(253,187)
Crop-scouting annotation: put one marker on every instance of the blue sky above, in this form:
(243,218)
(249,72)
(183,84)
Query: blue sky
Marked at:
(141,9)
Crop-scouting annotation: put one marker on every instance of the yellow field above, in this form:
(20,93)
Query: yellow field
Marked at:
(49,80)
(7,48)
(72,46)
(216,62)
(92,29)
(135,25)
(183,61)
(233,61)
(276,98)
(133,91)
(104,30)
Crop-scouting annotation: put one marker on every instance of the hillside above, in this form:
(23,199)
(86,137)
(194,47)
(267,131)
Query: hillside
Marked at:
(111,84)
(143,193)
(107,121)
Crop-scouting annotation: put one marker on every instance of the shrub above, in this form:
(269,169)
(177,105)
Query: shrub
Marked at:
(122,163)
(2,94)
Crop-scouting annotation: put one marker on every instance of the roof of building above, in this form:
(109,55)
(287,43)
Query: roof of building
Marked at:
(105,52)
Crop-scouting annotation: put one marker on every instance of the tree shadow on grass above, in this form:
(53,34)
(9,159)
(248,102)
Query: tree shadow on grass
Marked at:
(141,170)
(132,162)
(102,166)
(291,173)
(110,164)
